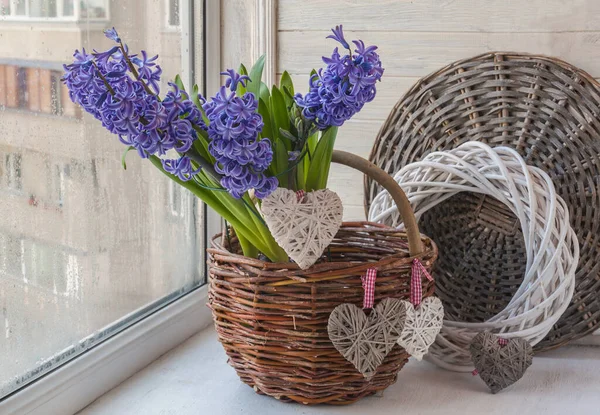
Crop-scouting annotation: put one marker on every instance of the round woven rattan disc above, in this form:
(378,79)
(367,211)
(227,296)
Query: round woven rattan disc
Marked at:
(546,109)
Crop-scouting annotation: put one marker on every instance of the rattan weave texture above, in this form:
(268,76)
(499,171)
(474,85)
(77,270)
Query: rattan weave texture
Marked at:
(548,111)
(271,318)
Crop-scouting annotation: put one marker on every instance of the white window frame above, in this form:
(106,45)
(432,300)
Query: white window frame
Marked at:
(73,385)
(76,17)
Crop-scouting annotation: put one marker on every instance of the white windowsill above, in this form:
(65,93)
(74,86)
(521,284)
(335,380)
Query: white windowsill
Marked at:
(195,379)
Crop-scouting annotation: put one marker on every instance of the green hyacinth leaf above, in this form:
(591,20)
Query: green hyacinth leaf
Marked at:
(256,76)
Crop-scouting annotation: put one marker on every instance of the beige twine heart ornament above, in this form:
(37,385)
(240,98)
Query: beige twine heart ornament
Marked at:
(303,228)
(422,326)
(366,340)
(500,366)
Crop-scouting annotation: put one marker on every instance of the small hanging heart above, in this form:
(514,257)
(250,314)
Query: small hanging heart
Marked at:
(305,226)
(422,326)
(366,340)
(499,366)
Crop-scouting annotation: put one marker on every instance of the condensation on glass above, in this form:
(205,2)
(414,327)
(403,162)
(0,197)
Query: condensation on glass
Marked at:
(86,247)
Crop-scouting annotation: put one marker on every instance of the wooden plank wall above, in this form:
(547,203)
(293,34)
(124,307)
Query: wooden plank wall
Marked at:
(417,37)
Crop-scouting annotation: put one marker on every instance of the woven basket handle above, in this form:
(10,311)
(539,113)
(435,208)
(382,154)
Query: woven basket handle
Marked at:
(388,183)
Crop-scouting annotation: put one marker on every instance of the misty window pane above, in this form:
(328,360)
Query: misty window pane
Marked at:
(21,87)
(68,8)
(97,9)
(173,12)
(4,7)
(21,8)
(42,8)
(86,247)
(56,93)
(12,171)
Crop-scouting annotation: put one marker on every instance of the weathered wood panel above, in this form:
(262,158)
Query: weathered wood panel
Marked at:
(442,15)
(416,38)
(418,54)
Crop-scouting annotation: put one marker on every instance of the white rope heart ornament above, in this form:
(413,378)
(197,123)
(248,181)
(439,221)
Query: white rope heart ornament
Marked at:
(423,323)
(366,340)
(303,226)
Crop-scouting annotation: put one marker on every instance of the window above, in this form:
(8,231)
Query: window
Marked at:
(87,249)
(12,167)
(54,10)
(5,7)
(178,199)
(10,265)
(42,8)
(56,96)
(56,183)
(22,96)
(173,13)
(50,269)
(35,89)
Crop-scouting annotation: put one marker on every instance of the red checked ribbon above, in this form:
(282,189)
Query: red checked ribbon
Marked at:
(416,289)
(368,283)
(300,195)
(502,342)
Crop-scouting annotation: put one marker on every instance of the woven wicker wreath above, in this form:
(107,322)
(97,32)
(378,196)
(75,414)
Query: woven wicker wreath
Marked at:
(551,244)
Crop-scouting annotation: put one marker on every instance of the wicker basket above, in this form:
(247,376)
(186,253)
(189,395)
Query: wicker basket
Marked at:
(546,109)
(271,318)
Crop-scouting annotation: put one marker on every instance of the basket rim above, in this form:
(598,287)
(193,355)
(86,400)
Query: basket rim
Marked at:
(292,271)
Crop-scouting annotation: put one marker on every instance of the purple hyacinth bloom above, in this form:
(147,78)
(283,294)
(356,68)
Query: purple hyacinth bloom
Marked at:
(105,86)
(340,90)
(112,35)
(338,34)
(234,129)
(181,167)
(148,70)
(234,78)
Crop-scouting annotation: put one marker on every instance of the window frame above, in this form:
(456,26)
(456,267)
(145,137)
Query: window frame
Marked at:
(59,18)
(73,385)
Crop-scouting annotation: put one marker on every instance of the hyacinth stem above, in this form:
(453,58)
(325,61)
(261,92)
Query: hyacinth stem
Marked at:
(256,235)
(133,70)
(204,164)
(106,84)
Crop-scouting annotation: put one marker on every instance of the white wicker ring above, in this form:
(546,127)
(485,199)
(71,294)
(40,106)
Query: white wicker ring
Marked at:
(551,244)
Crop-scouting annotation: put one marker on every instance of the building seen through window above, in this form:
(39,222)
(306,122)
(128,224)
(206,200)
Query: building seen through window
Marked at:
(85,243)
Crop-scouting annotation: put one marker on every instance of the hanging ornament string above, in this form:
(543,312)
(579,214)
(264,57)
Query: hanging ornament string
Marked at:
(416,289)
(368,283)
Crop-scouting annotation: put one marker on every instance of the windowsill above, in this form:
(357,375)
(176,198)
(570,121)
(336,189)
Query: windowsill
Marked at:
(194,378)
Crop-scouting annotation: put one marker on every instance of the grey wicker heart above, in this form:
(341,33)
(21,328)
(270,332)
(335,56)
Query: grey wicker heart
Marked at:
(366,340)
(500,366)
(422,326)
(303,228)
